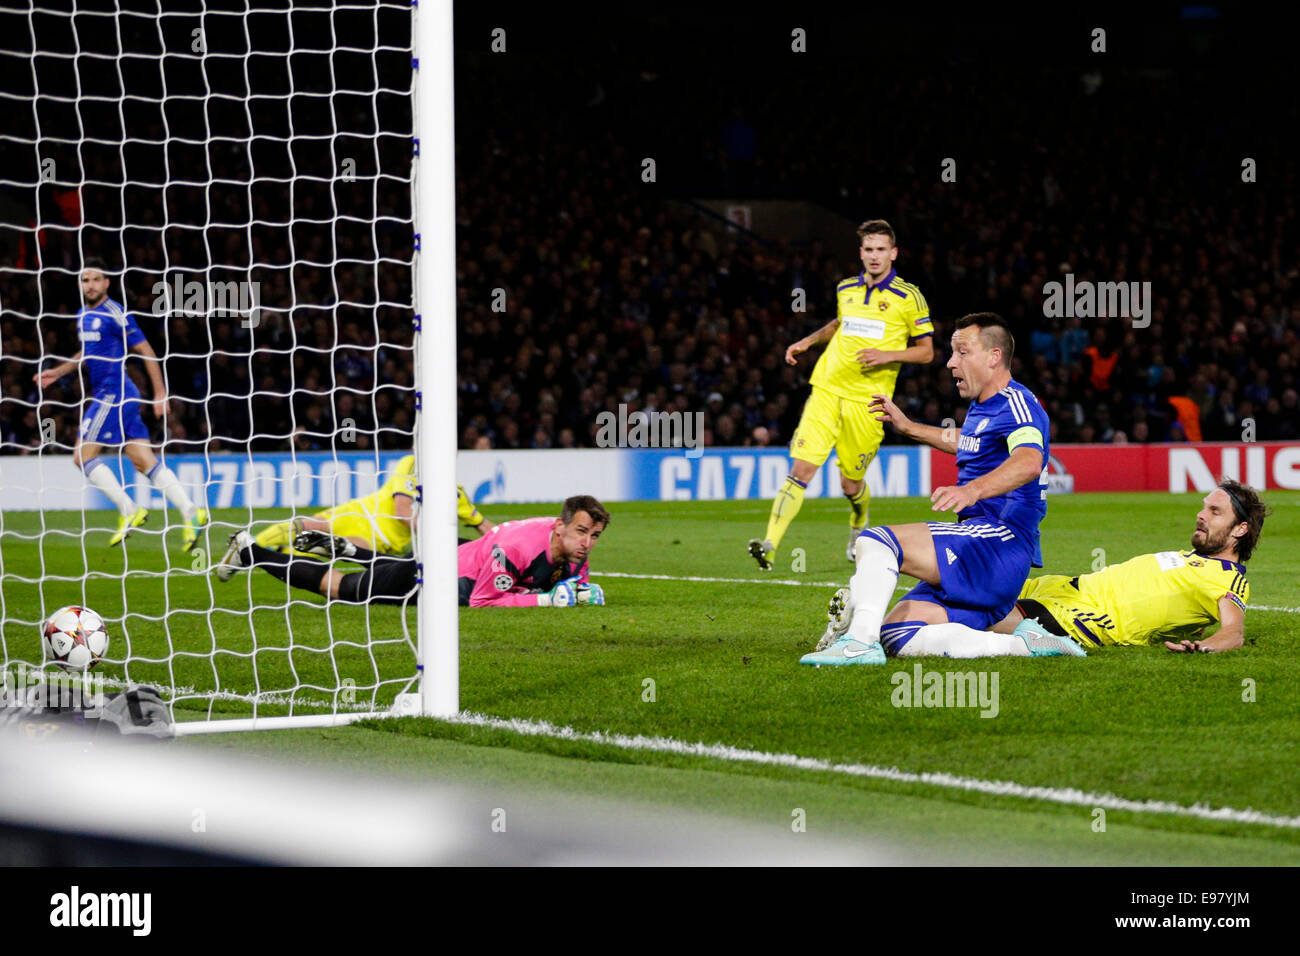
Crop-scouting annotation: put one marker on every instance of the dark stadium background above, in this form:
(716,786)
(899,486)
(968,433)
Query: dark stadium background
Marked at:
(1124,165)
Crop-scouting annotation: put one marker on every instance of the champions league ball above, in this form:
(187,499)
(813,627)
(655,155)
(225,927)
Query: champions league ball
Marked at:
(75,638)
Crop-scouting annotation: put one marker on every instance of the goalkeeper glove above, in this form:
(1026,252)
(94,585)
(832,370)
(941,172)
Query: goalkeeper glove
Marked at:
(590,594)
(568,593)
(562,595)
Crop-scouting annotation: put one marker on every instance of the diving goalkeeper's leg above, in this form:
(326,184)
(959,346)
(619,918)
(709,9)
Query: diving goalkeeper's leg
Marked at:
(280,536)
(244,552)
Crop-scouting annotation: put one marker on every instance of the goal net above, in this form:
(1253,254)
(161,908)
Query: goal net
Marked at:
(242,177)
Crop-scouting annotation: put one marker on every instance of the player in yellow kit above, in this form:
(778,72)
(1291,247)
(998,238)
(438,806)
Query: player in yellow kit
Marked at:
(380,522)
(881,322)
(1170,596)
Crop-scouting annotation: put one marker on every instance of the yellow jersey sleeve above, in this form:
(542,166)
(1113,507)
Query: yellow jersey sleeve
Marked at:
(400,482)
(921,325)
(1236,589)
(1216,579)
(885,317)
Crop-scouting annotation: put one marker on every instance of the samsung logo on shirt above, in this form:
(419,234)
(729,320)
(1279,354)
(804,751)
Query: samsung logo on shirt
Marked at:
(968,443)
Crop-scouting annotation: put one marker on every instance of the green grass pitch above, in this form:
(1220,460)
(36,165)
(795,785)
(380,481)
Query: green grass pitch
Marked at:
(1139,723)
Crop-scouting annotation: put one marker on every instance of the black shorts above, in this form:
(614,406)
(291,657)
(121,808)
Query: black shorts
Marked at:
(386,581)
(1030,608)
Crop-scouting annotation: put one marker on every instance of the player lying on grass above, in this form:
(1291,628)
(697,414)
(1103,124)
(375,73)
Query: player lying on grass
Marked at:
(970,572)
(108,334)
(536,562)
(380,522)
(1170,596)
(384,579)
(540,562)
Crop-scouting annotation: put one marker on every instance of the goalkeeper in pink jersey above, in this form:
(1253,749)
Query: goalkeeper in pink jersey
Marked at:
(535,562)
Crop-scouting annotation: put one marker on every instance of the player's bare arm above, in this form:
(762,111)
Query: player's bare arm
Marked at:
(1230,635)
(918,353)
(49,376)
(820,337)
(402,510)
(1024,465)
(154,369)
(884,409)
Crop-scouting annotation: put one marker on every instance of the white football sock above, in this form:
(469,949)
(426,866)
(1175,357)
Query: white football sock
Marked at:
(958,640)
(165,480)
(871,587)
(101,476)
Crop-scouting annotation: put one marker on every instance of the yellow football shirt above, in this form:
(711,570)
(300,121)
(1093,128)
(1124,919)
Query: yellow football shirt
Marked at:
(884,316)
(400,482)
(1168,596)
(374,517)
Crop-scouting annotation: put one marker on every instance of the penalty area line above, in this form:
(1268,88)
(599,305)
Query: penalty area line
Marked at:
(1067,796)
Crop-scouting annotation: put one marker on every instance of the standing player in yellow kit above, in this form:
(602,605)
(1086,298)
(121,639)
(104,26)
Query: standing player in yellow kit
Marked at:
(881,322)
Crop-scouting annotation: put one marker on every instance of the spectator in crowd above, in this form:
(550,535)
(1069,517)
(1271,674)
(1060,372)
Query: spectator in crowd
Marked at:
(620,293)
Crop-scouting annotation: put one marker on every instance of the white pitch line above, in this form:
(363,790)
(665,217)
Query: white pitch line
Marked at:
(268,698)
(1003,788)
(819,584)
(672,577)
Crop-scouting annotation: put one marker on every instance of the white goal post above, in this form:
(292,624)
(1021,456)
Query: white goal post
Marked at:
(265,663)
(435,223)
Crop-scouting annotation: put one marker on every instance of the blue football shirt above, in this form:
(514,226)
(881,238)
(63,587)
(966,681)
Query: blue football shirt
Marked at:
(993,428)
(107,333)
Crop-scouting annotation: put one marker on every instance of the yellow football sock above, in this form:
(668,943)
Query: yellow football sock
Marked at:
(274,536)
(784,507)
(858,516)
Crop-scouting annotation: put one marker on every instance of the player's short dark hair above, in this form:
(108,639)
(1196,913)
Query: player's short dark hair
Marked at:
(95,263)
(1249,507)
(876,227)
(994,333)
(584,503)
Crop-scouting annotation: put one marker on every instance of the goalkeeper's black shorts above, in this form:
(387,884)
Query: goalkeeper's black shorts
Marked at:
(387,581)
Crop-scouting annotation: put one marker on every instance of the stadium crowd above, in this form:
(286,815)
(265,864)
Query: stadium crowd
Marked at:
(615,297)
(618,290)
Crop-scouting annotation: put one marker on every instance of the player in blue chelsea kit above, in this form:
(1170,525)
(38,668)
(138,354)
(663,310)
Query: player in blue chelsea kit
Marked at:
(112,419)
(970,571)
